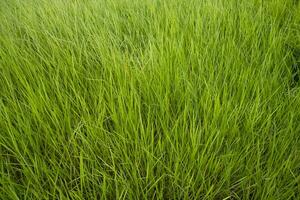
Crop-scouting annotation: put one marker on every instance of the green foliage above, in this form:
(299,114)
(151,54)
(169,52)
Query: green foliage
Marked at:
(152,99)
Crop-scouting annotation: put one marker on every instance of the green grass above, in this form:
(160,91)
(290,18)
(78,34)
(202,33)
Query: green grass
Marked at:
(149,99)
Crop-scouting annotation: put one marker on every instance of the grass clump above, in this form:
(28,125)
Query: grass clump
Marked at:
(149,99)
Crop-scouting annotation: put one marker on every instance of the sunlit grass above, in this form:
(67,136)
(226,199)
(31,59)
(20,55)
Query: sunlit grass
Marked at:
(153,99)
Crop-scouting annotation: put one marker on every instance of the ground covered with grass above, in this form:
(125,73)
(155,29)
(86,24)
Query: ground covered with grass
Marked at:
(153,99)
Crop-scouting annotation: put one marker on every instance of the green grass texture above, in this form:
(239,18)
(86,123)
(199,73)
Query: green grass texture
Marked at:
(150,99)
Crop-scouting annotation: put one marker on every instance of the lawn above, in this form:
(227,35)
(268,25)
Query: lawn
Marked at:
(150,99)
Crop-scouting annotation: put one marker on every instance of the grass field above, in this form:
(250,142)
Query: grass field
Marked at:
(150,99)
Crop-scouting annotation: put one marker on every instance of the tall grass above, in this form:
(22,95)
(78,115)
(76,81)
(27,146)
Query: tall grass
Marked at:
(152,99)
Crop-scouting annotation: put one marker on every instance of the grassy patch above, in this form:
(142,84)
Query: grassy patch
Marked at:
(151,99)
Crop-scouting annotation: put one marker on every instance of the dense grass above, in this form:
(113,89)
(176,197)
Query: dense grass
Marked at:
(152,99)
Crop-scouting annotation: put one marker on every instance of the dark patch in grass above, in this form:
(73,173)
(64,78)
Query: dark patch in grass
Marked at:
(109,125)
(296,2)
(296,73)
(295,66)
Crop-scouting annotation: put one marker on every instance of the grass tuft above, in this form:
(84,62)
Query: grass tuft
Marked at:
(149,99)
